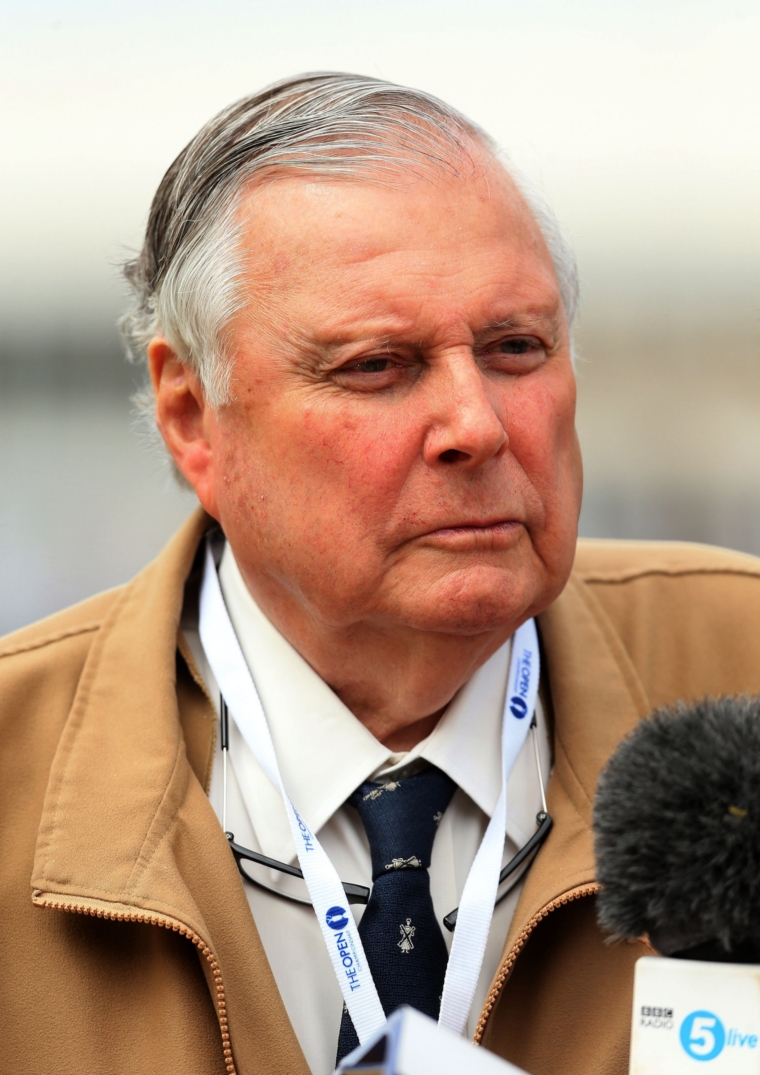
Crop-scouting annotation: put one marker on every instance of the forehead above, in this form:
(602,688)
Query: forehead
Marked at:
(449,246)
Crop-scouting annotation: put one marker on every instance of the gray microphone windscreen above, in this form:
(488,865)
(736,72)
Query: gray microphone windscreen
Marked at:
(677,831)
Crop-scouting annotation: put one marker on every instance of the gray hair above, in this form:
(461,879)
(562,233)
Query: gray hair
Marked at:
(185,280)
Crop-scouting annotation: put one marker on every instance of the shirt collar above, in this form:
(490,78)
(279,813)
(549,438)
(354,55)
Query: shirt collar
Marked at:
(466,742)
(324,752)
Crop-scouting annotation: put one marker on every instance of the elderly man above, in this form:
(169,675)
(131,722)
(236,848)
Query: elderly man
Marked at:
(242,793)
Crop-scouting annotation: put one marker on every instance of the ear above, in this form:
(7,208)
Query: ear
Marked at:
(185,419)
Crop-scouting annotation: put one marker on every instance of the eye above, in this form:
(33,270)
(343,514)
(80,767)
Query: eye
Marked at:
(375,373)
(517,345)
(369,365)
(514,355)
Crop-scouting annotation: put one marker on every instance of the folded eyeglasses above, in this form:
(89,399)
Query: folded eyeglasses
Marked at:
(249,863)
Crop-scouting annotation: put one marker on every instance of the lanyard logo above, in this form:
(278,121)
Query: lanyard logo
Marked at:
(518,705)
(336,918)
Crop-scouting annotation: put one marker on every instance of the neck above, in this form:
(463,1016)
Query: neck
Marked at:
(396,680)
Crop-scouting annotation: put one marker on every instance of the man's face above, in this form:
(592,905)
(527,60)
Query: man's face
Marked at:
(401,447)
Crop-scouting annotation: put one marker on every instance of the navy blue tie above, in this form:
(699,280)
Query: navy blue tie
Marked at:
(402,939)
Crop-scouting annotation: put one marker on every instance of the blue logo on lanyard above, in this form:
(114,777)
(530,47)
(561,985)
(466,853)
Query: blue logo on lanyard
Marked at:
(518,707)
(336,918)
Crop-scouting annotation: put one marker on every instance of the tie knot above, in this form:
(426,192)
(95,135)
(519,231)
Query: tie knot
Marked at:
(401,818)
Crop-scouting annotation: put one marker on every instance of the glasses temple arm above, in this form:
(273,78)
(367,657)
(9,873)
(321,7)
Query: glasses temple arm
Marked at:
(224,734)
(544,825)
(354,893)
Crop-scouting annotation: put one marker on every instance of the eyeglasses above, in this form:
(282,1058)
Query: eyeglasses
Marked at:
(253,866)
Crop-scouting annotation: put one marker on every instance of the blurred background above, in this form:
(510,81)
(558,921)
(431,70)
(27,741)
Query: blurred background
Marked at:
(638,119)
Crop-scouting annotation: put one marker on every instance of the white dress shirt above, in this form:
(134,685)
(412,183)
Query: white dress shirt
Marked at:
(324,754)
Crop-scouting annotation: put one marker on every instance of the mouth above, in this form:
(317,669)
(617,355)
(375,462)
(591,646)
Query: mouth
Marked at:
(494,535)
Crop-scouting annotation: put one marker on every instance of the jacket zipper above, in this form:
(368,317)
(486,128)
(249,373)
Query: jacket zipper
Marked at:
(221,1005)
(506,968)
(166,923)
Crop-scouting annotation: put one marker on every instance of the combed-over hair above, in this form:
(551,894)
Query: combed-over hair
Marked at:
(185,280)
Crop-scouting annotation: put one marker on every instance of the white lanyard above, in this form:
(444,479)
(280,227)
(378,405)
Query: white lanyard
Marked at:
(479,896)
(336,921)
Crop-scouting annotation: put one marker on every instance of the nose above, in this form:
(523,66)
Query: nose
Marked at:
(468,421)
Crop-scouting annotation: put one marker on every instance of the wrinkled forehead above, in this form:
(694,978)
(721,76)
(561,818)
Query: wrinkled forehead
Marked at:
(410,234)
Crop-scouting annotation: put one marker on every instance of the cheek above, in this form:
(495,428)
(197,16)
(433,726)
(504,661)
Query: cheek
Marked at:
(543,439)
(352,455)
(313,463)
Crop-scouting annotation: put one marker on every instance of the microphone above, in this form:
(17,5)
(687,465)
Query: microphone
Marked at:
(677,840)
(677,832)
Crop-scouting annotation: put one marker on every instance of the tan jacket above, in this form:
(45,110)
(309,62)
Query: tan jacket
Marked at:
(127,941)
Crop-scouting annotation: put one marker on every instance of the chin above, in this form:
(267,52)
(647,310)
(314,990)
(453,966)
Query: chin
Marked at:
(478,603)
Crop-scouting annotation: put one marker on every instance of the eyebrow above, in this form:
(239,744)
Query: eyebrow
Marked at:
(524,322)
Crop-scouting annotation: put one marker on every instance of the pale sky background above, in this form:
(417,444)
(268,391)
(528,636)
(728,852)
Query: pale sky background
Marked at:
(638,118)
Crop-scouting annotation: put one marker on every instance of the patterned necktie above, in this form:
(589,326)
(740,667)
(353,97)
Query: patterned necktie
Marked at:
(402,939)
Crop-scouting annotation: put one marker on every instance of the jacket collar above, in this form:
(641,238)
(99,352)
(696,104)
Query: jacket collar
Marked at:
(119,775)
